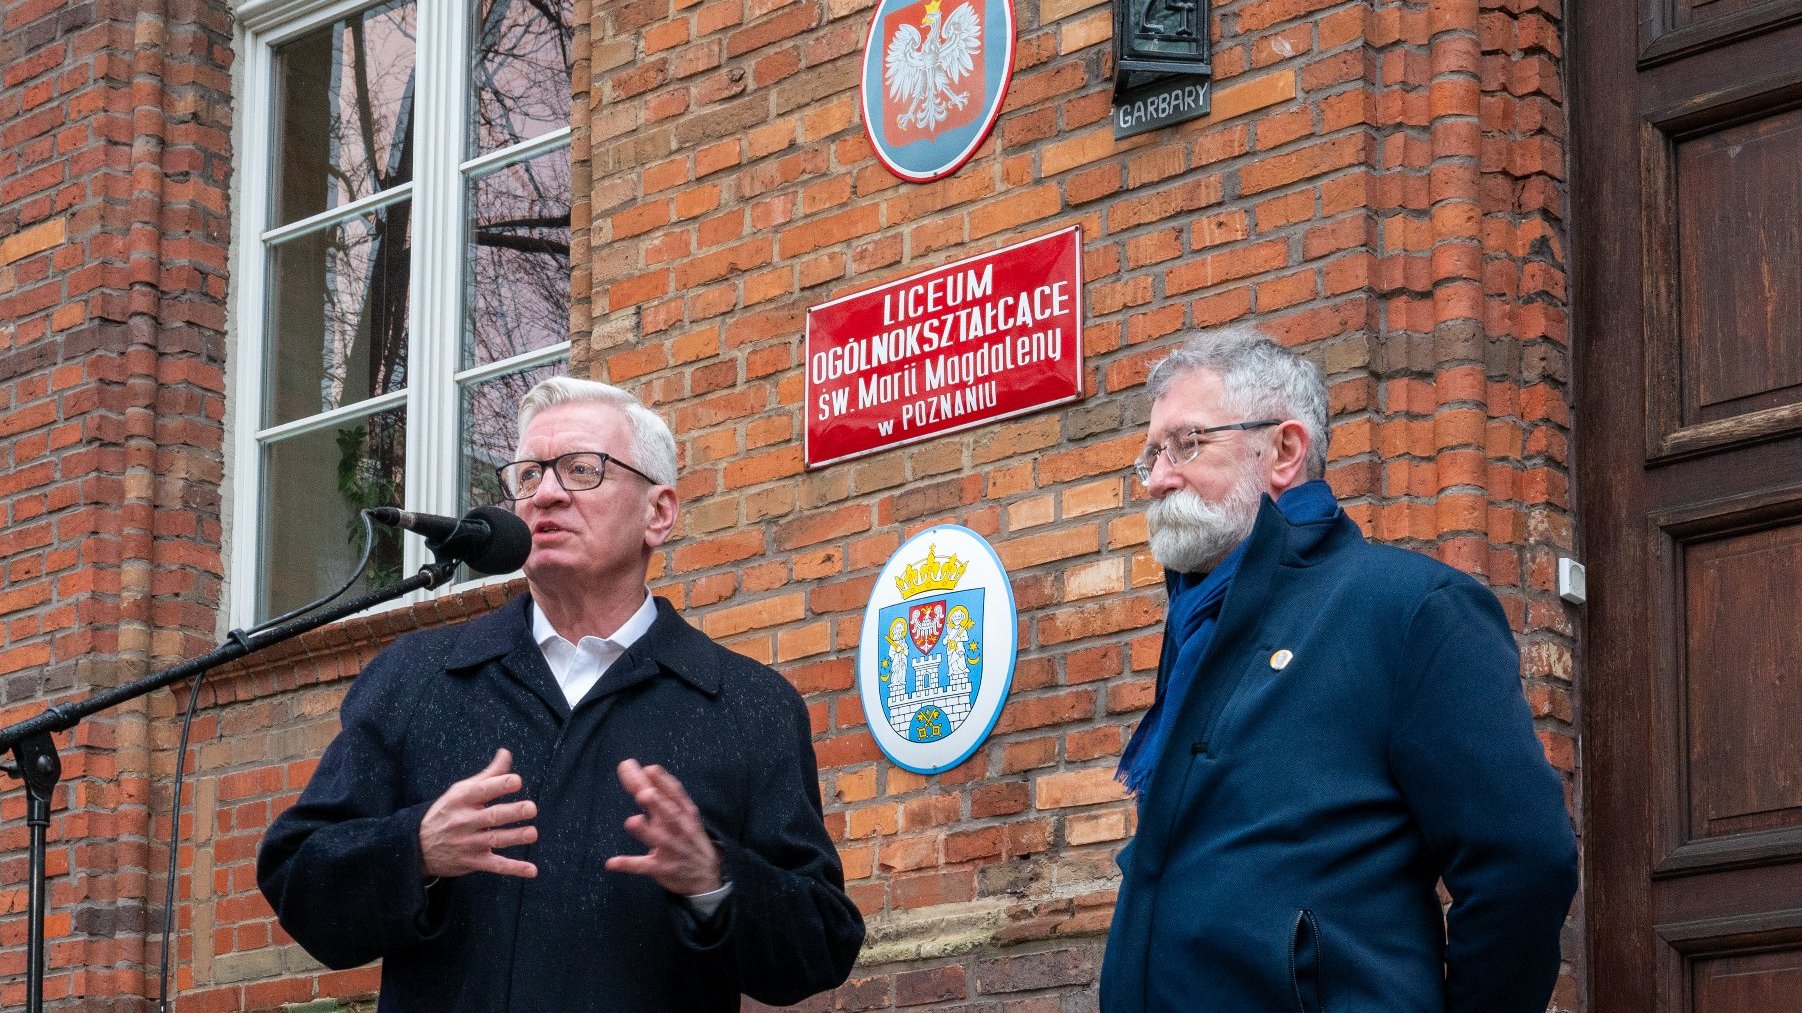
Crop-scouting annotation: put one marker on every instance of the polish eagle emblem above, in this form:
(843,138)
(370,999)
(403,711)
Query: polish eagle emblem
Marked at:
(922,71)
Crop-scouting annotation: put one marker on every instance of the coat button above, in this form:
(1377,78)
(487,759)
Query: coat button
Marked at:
(1280,660)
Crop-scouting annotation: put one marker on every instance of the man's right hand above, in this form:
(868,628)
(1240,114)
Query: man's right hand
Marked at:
(462,830)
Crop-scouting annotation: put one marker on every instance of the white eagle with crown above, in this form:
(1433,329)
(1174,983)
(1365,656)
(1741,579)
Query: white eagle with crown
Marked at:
(922,71)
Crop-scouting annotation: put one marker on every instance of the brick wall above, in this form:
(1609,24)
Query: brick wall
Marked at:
(114,168)
(1379,183)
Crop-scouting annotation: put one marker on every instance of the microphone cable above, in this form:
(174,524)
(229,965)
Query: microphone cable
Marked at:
(181,750)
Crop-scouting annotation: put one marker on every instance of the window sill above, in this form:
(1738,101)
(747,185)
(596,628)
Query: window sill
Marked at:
(341,649)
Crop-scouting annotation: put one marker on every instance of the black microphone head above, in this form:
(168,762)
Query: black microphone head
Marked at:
(391,516)
(509,541)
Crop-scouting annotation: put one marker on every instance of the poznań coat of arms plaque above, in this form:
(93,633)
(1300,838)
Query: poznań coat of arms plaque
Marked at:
(934,75)
(937,653)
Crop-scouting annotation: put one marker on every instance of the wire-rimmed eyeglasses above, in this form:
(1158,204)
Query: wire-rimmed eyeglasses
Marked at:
(1182,448)
(576,471)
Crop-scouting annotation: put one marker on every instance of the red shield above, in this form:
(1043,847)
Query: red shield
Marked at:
(925,624)
(974,93)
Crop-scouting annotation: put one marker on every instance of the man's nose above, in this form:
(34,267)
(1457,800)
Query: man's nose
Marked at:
(550,489)
(1164,477)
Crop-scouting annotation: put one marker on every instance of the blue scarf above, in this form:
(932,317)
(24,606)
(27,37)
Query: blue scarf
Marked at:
(1195,603)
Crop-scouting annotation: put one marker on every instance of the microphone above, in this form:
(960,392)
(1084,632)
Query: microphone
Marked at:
(489,538)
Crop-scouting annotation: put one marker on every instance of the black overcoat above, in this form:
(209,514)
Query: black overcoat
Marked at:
(342,867)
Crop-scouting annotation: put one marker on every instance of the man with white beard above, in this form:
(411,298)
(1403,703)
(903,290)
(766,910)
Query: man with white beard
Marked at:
(1338,730)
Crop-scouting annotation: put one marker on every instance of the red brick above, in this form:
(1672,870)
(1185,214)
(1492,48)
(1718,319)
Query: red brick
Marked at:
(1313,160)
(775,28)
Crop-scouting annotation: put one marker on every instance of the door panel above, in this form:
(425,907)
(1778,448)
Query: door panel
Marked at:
(1677,28)
(1748,981)
(1742,725)
(1722,246)
(1740,267)
(1731,965)
(1724,664)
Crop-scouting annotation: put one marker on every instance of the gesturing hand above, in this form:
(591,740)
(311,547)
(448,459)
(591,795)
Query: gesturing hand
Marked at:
(461,831)
(682,858)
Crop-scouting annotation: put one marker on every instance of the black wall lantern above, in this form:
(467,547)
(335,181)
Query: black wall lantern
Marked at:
(1156,38)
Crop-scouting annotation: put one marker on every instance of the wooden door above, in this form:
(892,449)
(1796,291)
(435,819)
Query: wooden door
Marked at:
(1686,225)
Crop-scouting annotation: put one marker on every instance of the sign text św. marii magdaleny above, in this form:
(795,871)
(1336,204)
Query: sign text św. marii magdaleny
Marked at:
(944,342)
(937,352)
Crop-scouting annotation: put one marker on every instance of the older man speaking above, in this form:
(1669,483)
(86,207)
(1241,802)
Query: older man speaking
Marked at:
(577,802)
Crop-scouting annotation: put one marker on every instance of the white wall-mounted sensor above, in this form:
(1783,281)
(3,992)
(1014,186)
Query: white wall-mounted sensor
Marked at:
(1573,582)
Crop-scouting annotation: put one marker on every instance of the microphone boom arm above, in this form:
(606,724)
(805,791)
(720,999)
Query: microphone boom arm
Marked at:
(237,644)
(40,768)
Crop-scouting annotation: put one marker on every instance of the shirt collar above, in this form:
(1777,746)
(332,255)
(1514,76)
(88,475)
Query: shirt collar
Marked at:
(628,633)
(670,643)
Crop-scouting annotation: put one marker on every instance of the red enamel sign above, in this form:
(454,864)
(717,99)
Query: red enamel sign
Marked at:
(982,339)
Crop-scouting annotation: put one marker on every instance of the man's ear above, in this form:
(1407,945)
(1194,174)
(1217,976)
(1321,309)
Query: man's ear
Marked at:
(1289,464)
(660,516)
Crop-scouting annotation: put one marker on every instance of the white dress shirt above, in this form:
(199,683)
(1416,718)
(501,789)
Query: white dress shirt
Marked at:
(578,666)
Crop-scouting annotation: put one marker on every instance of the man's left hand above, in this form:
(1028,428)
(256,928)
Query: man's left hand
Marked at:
(682,858)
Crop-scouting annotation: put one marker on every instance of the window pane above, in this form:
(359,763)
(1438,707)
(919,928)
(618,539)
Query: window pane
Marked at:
(345,122)
(520,75)
(518,274)
(314,484)
(338,327)
(489,435)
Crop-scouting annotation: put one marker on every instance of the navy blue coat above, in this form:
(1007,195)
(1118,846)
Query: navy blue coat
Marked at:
(342,867)
(1294,829)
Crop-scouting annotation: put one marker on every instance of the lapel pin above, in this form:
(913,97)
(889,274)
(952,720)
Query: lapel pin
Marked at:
(1280,660)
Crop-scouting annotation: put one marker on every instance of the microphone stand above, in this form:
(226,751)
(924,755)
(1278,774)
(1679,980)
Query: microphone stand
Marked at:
(40,768)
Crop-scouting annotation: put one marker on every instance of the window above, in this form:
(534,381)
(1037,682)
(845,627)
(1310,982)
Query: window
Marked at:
(403,272)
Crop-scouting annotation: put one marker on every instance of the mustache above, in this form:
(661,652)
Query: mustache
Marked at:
(1184,508)
(1190,534)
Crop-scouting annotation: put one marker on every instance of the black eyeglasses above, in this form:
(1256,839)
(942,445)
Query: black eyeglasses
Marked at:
(1183,448)
(582,469)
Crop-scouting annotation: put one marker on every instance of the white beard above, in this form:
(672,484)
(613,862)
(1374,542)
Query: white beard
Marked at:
(1191,535)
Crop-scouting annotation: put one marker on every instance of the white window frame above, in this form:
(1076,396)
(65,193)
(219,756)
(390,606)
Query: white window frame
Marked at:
(435,301)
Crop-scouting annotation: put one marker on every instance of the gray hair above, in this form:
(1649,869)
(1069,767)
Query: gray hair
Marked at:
(653,446)
(1262,379)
